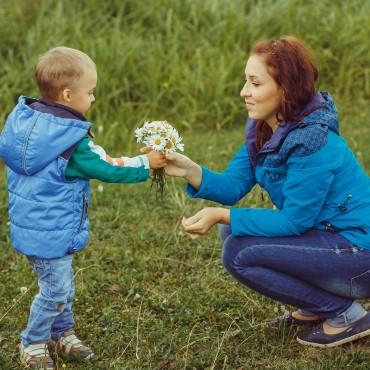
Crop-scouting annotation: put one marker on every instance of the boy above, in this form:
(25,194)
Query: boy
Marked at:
(48,149)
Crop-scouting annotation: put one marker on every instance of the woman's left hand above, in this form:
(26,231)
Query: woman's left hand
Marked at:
(201,222)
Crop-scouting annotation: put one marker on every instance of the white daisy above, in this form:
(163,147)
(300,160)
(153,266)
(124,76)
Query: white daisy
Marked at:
(157,142)
(139,134)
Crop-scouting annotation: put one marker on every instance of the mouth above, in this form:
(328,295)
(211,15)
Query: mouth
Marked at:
(248,104)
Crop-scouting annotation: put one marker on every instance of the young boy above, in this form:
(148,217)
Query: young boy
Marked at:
(48,149)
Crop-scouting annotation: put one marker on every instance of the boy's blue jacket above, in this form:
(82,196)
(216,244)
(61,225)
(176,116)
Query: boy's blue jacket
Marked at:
(308,170)
(48,214)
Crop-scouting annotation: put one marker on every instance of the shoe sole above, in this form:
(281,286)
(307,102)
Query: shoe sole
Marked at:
(27,366)
(337,343)
(74,356)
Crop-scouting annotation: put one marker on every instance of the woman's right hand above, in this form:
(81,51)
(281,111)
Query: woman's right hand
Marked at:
(180,165)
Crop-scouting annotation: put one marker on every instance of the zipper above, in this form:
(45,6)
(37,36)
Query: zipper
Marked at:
(333,229)
(84,211)
(343,207)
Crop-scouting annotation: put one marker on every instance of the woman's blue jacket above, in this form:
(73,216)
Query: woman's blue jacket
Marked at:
(310,174)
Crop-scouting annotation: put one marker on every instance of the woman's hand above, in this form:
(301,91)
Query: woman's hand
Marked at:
(202,222)
(180,165)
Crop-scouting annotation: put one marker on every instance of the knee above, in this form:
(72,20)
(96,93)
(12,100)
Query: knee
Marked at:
(57,291)
(239,255)
(229,255)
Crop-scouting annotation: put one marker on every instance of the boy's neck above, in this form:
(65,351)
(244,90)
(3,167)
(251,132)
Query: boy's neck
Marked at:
(61,110)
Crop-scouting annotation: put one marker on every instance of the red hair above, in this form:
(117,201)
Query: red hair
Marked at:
(291,65)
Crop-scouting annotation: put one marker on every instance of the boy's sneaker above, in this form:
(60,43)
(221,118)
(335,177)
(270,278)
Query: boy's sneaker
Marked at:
(36,356)
(69,344)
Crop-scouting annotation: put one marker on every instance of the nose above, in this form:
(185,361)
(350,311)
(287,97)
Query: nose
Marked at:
(92,98)
(244,92)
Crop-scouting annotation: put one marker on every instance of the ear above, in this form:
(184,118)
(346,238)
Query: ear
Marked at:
(66,95)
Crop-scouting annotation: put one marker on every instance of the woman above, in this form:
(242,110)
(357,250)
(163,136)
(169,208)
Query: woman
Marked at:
(311,251)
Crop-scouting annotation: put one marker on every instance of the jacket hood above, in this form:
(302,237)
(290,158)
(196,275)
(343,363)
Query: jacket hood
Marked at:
(322,110)
(31,139)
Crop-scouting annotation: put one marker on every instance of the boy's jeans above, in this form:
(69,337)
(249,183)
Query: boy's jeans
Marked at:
(319,272)
(51,310)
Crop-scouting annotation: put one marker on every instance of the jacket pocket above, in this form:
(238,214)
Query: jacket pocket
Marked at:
(360,285)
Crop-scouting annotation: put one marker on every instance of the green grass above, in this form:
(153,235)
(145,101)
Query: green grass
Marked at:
(147,296)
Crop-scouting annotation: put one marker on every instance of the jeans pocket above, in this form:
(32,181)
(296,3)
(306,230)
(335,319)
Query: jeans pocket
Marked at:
(360,285)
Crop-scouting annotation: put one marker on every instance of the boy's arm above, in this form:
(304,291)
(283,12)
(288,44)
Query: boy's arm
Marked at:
(90,161)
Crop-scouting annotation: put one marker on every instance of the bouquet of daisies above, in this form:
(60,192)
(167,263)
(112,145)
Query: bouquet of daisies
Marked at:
(162,137)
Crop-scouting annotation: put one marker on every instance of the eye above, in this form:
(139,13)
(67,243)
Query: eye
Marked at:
(255,84)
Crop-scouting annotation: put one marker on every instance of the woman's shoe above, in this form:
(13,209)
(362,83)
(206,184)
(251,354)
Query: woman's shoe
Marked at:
(287,320)
(317,338)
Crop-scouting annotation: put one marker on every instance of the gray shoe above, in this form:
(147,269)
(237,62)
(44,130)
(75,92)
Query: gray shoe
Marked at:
(36,356)
(69,344)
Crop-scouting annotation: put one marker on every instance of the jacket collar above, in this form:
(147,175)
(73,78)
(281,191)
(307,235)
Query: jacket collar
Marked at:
(285,127)
(56,109)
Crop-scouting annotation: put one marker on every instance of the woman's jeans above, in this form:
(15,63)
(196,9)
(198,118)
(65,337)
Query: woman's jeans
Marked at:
(319,272)
(51,310)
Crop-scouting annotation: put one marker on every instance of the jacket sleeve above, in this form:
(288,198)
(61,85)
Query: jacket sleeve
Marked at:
(229,186)
(307,183)
(90,161)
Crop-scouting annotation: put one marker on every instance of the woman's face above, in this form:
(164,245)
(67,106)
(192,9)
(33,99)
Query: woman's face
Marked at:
(261,93)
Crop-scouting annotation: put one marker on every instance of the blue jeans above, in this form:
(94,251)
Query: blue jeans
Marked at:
(51,310)
(319,272)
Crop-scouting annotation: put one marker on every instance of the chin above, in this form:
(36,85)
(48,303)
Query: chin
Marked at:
(252,115)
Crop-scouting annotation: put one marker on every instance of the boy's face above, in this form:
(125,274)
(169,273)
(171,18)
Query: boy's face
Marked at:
(81,96)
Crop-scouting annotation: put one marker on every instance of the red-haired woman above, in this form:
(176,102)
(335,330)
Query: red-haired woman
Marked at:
(311,251)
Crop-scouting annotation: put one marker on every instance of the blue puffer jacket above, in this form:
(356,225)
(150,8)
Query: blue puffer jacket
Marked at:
(310,173)
(48,215)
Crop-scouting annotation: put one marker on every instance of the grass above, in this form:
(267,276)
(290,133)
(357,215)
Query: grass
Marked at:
(147,296)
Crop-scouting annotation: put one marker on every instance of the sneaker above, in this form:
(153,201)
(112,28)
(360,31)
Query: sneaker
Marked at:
(69,344)
(287,320)
(317,338)
(36,356)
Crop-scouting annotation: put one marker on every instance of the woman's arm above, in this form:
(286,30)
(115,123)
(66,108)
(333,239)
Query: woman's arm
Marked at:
(223,187)
(179,165)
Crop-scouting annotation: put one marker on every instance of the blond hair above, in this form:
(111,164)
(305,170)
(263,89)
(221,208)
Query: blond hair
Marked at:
(60,68)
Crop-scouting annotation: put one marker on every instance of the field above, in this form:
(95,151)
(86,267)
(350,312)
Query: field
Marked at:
(148,297)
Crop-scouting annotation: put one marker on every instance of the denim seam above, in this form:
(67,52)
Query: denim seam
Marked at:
(289,246)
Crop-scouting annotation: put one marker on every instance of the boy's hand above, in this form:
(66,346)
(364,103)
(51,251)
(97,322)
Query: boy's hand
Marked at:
(156,159)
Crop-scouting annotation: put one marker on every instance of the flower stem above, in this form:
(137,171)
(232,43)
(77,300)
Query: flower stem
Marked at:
(159,181)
